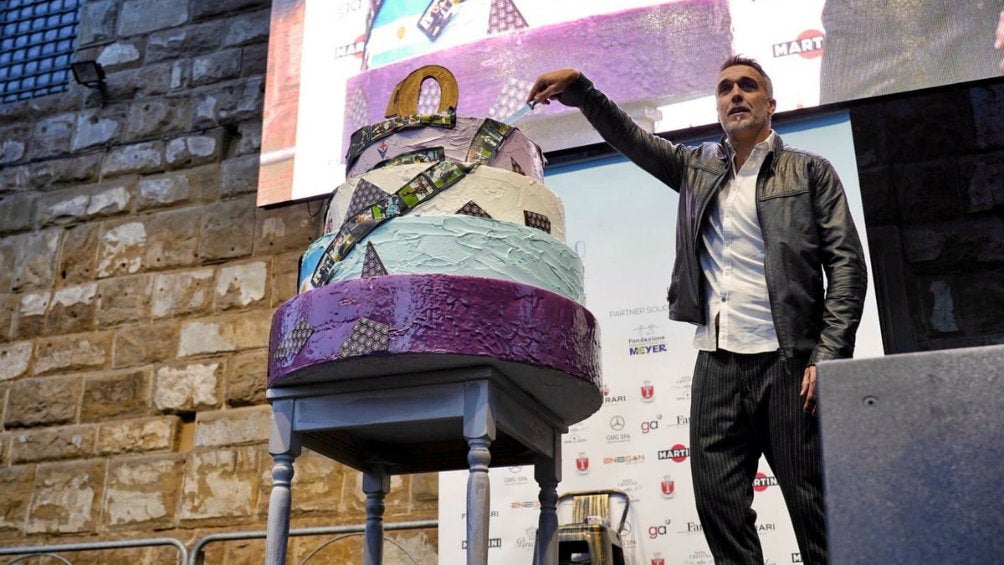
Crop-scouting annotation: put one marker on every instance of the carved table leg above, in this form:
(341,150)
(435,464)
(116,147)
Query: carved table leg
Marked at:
(376,485)
(478,501)
(547,471)
(284,447)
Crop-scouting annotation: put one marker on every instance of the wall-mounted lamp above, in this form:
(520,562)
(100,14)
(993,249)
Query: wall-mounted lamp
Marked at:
(91,75)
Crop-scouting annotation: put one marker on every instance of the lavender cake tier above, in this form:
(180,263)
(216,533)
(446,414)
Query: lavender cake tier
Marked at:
(517,153)
(485,192)
(544,343)
(457,245)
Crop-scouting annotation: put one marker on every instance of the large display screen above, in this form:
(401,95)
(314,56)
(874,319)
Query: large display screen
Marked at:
(333,64)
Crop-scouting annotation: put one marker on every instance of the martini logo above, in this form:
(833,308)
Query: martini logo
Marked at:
(678,453)
(762,481)
(582,463)
(667,486)
(647,391)
(808,44)
(492,543)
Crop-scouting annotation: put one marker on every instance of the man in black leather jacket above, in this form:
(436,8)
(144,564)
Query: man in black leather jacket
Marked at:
(759,224)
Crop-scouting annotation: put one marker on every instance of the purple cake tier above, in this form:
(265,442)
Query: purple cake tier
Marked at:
(544,343)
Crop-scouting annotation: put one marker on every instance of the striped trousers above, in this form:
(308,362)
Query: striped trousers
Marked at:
(743,406)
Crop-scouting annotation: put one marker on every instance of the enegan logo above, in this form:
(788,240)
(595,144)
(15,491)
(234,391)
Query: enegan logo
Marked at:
(808,44)
(677,453)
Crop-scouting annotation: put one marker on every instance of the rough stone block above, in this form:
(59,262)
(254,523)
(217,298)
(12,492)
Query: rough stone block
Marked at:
(166,190)
(140,17)
(221,484)
(249,138)
(228,229)
(216,67)
(988,116)
(318,484)
(81,204)
(96,127)
(159,116)
(138,436)
(78,256)
(44,175)
(120,53)
(233,427)
(180,294)
(234,102)
(248,330)
(53,444)
(29,321)
(986,185)
(945,130)
(194,150)
(124,299)
(210,9)
(173,238)
(285,228)
(284,276)
(17,210)
(97,22)
(17,482)
(245,378)
(15,358)
(42,401)
(121,249)
(51,136)
(184,42)
(117,395)
(239,286)
(239,176)
(929,192)
(66,498)
(72,309)
(187,388)
(34,265)
(144,343)
(142,492)
(8,310)
(73,352)
(141,158)
(246,29)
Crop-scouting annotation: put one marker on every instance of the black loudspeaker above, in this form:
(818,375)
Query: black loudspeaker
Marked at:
(913,457)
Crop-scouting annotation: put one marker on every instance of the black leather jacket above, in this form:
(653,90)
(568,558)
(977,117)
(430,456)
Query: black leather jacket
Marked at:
(807,228)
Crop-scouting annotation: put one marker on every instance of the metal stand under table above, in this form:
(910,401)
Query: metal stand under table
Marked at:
(469,418)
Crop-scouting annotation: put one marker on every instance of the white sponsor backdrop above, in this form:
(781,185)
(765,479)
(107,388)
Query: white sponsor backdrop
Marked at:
(621,221)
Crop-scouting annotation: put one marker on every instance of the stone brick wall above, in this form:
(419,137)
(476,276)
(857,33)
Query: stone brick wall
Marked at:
(932,176)
(137,281)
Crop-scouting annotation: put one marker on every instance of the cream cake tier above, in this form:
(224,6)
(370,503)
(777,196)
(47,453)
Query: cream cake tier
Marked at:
(457,245)
(484,191)
(457,140)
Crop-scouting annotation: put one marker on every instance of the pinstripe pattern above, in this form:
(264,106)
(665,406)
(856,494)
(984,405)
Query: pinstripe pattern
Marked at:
(742,406)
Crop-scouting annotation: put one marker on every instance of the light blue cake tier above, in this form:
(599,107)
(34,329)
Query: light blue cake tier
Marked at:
(459,245)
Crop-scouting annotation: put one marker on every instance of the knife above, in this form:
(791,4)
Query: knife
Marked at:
(519,114)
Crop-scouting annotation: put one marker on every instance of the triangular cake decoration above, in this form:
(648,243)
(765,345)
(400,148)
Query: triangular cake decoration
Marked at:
(293,342)
(505,16)
(372,265)
(366,337)
(366,194)
(472,209)
(535,220)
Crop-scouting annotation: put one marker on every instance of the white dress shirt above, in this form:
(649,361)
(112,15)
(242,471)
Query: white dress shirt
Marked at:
(732,261)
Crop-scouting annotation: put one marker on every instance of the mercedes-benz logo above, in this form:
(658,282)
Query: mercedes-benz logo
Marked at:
(617,423)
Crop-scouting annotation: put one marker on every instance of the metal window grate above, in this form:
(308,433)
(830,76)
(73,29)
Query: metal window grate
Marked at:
(37,40)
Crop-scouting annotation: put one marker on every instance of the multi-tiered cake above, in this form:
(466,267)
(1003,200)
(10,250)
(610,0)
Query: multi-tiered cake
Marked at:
(442,249)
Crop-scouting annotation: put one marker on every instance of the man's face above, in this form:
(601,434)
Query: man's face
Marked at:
(744,107)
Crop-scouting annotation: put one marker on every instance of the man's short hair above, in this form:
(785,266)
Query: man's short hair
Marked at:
(740,60)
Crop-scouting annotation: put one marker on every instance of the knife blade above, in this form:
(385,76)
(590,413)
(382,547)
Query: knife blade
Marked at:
(519,114)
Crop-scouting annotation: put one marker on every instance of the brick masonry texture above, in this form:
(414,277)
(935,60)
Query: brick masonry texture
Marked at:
(137,284)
